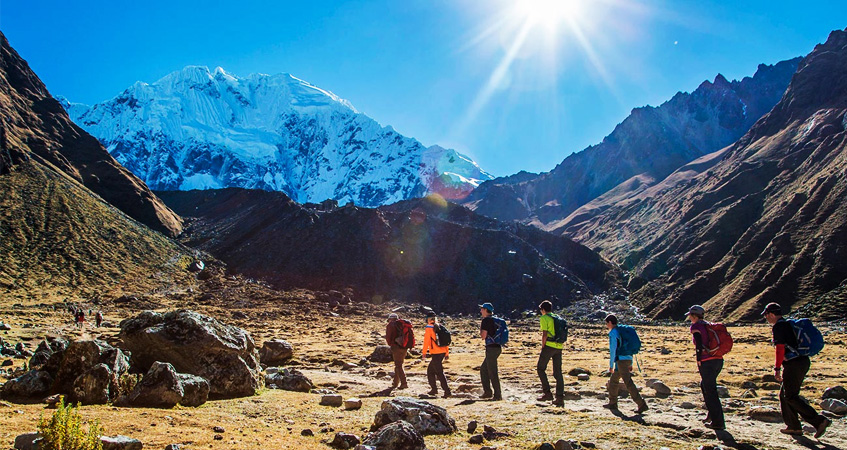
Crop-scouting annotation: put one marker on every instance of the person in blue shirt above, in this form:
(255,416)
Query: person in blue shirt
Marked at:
(620,366)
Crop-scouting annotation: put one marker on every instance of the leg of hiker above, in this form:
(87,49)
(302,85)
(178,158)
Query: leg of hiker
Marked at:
(709,371)
(438,372)
(625,371)
(493,371)
(794,372)
(559,377)
(399,355)
(485,376)
(430,374)
(612,388)
(541,369)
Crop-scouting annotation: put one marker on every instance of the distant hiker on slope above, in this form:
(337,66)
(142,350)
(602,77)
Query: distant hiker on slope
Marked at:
(437,341)
(710,367)
(400,337)
(80,318)
(98,318)
(623,343)
(792,358)
(494,334)
(552,342)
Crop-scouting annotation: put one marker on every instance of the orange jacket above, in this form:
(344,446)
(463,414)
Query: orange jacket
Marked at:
(429,343)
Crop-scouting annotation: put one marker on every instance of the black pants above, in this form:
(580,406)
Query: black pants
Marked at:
(488,372)
(548,353)
(435,369)
(709,371)
(793,374)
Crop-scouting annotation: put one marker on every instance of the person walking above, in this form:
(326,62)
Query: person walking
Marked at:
(438,354)
(488,371)
(80,318)
(709,366)
(98,318)
(393,331)
(620,367)
(794,368)
(550,350)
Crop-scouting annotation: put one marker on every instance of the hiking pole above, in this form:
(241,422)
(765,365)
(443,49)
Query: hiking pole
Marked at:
(638,364)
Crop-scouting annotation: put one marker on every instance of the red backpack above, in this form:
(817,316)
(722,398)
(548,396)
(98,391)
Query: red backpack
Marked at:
(719,339)
(405,334)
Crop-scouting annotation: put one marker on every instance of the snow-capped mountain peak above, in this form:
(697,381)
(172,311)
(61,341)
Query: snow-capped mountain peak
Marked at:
(199,129)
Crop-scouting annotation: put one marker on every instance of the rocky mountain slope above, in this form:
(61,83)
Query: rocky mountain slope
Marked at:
(72,220)
(762,220)
(422,250)
(646,147)
(201,129)
(35,127)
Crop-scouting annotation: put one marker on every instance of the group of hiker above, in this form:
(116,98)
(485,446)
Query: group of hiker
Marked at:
(795,341)
(78,314)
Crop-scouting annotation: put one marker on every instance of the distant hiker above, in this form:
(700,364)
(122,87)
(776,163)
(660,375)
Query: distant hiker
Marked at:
(98,318)
(623,344)
(551,348)
(399,336)
(710,367)
(80,319)
(494,334)
(795,341)
(437,344)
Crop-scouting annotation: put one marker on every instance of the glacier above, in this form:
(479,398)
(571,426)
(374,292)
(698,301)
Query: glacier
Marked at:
(202,129)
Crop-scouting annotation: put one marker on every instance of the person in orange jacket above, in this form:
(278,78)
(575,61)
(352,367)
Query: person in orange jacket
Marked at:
(437,357)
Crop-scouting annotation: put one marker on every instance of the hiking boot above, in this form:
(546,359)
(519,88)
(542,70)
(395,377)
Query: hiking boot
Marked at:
(545,398)
(715,426)
(486,395)
(560,401)
(821,429)
(403,386)
(497,398)
(447,394)
(432,392)
(791,432)
(612,406)
(642,409)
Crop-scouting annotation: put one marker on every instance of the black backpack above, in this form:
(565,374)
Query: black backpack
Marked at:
(560,329)
(443,337)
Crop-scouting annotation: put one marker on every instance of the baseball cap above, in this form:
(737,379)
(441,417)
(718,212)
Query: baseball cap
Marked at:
(772,308)
(487,306)
(393,316)
(696,310)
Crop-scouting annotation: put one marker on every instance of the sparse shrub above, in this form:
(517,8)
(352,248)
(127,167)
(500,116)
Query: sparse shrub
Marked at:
(64,431)
(127,382)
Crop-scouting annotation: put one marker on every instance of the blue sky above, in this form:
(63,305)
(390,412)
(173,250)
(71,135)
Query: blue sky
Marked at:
(517,86)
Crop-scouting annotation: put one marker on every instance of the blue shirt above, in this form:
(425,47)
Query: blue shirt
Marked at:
(614,340)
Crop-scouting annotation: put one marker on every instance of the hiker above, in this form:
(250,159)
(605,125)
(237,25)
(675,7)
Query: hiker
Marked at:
(488,371)
(393,335)
(80,318)
(794,365)
(709,366)
(620,365)
(438,354)
(550,349)
(98,319)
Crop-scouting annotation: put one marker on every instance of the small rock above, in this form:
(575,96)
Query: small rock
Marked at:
(836,392)
(381,354)
(771,386)
(661,389)
(219,429)
(546,446)
(7,363)
(769,378)
(576,371)
(344,441)
(173,447)
(352,403)
(332,400)
(834,405)
(27,441)
(472,426)
(307,432)
(765,414)
(749,385)
(562,444)
(399,435)
(749,393)
(723,392)
(218,437)
(120,443)
(687,405)
(583,377)
(476,439)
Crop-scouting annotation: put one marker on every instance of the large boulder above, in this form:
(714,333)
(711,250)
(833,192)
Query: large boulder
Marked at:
(289,380)
(195,390)
(276,352)
(31,385)
(424,416)
(381,354)
(163,387)
(48,354)
(398,435)
(224,355)
(94,386)
(81,357)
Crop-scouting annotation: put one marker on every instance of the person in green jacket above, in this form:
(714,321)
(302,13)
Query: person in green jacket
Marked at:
(550,350)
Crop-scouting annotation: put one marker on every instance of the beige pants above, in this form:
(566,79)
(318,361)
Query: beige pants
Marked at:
(623,371)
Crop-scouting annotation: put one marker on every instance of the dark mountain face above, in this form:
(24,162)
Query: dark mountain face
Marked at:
(762,220)
(425,250)
(36,127)
(650,144)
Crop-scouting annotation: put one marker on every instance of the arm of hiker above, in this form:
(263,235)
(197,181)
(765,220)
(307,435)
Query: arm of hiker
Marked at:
(699,345)
(780,357)
(543,338)
(613,350)
(483,334)
(426,342)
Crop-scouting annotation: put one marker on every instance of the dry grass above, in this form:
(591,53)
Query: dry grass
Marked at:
(274,419)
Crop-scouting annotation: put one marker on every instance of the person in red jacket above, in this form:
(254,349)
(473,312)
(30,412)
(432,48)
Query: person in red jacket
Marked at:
(435,369)
(710,367)
(398,353)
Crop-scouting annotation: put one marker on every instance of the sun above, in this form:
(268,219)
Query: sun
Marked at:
(550,13)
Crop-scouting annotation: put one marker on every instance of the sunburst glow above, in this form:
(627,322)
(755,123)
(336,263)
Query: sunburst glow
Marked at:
(550,13)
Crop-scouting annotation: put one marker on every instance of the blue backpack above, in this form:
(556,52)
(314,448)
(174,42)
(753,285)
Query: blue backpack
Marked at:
(501,337)
(809,338)
(628,341)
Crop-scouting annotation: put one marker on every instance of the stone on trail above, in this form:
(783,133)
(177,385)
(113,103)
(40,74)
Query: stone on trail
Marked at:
(562,444)
(352,403)
(425,417)
(33,384)
(749,393)
(723,392)
(399,435)
(120,443)
(476,439)
(765,414)
(583,377)
(834,406)
(472,426)
(837,392)
(381,354)
(687,405)
(276,352)
(344,441)
(546,446)
(661,389)
(289,380)
(27,441)
(224,355)
(332,400)
(576,371)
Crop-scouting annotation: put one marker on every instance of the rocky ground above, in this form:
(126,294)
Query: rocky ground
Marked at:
(331,340)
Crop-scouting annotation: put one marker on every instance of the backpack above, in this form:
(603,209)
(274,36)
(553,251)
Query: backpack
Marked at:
(809,338)
(560,330)
(628,341)
(442,336)
(719,341)
(501,337)
(405,335)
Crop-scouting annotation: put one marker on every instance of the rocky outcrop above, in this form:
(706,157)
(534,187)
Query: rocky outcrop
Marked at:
(425,417)
(34,384)
(163,387)
(90,370)
(195,344)
(395,436)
